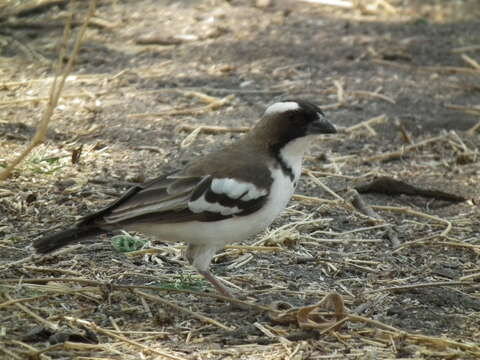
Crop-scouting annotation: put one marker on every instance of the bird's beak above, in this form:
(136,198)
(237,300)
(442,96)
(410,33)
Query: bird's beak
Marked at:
(321,126)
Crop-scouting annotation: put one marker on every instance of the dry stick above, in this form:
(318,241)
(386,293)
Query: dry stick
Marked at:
(46,98)
(473,129)
(198,316)
(35,258)
(339,3)
(471,61)
(399,153)
(29,7)
(419,214)
(29,52)
(366,209)
(356,200)
(470,277)
(376,119)
(55,91)
(52,270)
(378,324)
(403,131)
(414,337)
(333,326)
(113,335)
(27,346)
(324,187)
(473,110)
(439,69)
(10,353)
(466,48)
(143,287)
(186,111)
(315,200)
(30,313)
(340,91)
(21,300)
(450,70)
(190,138)
(373,94)
(428,241)
(340,201)
(420,285)
(444,342)
(69,345)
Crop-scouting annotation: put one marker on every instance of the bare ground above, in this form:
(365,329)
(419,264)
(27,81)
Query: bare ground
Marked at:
(409,280)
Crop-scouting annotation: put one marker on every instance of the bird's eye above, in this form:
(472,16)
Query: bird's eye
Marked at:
(296,118)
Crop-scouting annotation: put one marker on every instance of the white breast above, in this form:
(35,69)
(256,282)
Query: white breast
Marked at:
(292,154)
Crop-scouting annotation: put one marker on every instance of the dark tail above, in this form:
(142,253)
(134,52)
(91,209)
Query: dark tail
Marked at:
(60,239)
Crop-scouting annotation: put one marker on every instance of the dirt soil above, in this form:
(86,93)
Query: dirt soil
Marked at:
(149,75)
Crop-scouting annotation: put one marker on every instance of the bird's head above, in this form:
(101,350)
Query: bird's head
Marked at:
(292,122)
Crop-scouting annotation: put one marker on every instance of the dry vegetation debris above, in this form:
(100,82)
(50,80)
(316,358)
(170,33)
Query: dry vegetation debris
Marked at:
(377,256)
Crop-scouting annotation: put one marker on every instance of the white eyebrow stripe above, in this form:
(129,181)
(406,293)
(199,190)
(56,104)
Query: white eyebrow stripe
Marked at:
(281,107)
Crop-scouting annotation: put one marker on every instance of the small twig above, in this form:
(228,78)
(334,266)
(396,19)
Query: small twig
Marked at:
(450,70)
(338,3)
(52,270)
(390,186)
(185,111)
(340,91)
(35,258)
(374,95)
(146,307)
(399,153)
(376,119)
(29,7)
(470,277)
(438,69)
(473,129)
(466,48)
(420,285)
(9,353)
(409,211)
(377,324)
(315,200)
(334,326)
(21,300)
(471,61)
(324,187)
(190,138)
(474,110)
(403,131)
(197,316)
(113,335)
(143,287)
(354,197)
(36,317)
(45,98)
(429,241)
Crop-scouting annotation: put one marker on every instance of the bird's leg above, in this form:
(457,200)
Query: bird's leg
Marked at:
(200,257)
(222,289)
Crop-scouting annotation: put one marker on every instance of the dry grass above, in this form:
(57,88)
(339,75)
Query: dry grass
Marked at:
(341,275)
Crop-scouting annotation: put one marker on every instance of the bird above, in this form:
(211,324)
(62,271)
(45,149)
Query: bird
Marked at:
(223,197)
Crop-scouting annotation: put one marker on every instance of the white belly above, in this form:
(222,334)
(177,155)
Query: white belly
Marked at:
(220,233)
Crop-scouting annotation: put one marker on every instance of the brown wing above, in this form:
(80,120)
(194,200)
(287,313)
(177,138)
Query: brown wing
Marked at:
(179,198)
